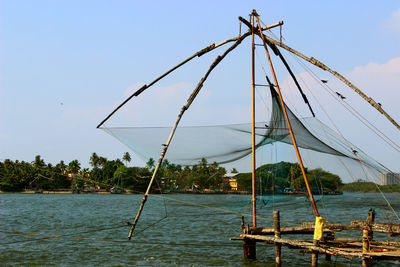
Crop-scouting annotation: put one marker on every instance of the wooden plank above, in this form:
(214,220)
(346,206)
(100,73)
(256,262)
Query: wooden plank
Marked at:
(378,227)
(392,254)
(359,225)
(304,244)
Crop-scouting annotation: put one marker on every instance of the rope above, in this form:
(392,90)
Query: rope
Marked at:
(60,236)
(118,240)
(383,195)
(215,208)
(355,113)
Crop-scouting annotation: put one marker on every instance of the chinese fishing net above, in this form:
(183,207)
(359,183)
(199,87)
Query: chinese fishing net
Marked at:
(320,146)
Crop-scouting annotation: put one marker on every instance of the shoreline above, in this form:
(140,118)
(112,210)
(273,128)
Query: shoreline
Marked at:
(128,192)
(131,192)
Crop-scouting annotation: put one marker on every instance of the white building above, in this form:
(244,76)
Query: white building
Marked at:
(390,178)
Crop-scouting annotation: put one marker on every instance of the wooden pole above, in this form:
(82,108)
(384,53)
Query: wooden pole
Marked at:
(277,230)
(314,257)
(330,236)
(249,245)
(288,123)
(367,238)
(184,108)
(253,122)
(249,249)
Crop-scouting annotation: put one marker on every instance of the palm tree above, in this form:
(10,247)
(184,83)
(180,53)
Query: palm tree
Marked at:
(61,167)
(102,161)
(74,166)
(150,163)
(38,162)
(94,160)
(126,158)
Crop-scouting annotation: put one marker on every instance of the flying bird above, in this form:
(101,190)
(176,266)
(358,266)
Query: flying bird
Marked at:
(324,81)
(340,95)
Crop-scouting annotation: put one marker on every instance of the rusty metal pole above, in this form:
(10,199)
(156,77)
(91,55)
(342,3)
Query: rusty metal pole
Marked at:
(288,123)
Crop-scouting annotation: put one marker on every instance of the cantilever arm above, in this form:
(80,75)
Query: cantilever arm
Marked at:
(197,54)
(339,76)
(322,66)
(184,108)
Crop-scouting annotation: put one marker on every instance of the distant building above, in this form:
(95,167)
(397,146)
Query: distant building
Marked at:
(390,178)
(230,178)
(361,181)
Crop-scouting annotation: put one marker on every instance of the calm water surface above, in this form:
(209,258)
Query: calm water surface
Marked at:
(182,230)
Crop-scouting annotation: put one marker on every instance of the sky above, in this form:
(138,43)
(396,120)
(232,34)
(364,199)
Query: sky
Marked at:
(65,65)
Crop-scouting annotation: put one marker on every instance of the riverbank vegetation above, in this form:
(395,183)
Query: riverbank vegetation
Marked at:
(368,187)
(105,174)
(276,177)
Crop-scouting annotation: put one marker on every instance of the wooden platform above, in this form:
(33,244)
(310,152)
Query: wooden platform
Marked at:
(364,247)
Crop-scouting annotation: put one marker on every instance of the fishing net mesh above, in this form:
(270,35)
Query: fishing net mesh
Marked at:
(320,146)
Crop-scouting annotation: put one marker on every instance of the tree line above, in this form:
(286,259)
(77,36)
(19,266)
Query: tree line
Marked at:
(105,174)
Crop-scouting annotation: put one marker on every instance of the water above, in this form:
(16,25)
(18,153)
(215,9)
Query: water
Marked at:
(183,230)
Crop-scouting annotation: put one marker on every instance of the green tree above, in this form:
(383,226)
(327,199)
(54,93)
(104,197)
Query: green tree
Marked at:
(126,158)
(150,164)
(102,161)
(38,162)
(94,160)
(74,166)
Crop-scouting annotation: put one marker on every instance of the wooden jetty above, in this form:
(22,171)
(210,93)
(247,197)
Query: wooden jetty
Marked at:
(364,247)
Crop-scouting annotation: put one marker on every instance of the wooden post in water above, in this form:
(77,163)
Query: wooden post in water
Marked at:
(329,236)
(277,230)
(314,258)
(249,245)
(367,238)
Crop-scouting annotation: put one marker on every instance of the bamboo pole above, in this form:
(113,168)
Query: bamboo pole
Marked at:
(197,54)
(288,123)
(184,108)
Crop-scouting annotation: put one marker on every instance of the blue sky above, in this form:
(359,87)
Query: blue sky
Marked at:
(66,64)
